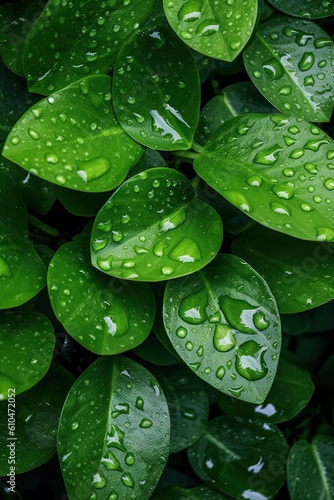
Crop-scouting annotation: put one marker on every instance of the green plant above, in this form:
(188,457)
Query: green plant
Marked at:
(184,365)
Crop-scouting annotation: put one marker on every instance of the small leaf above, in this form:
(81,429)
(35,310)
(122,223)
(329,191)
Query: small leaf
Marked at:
(154,228)
(289,266)
(156,90)
(291,62)
(236,456)
(113,411)
(305,8)
(198,493)
(103,314)
(73,139)
(224,324)
(26,340)
(275,168)
(219,30)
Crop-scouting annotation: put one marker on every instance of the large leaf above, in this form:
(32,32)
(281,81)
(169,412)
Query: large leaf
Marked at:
(237,457)
(217,29)
(198,493)
(86,38)
(156,89)
(73,139)
(36,414)
(277,169)
(115,423)
(154,228)
(224,323)
(26,342)
(310,469)
(105,315)
(291,62)
(305,8)
(320,319)
(289,265)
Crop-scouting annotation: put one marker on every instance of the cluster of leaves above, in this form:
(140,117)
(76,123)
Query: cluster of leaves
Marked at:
(168,341)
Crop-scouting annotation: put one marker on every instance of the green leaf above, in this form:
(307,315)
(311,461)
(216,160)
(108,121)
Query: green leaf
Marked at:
(153,351)
(26,341)
(85,39)
(289,265)
(36,414)
(224,323)
(310,469)
(275,168)
(304,8)
(79,203)
(291,62)
(199,493)
(156,89)
(73,139)
(320,319)
(154,228)
(237,456)
(188,405)
(105,315)
(219,30)
(121,440)
(291,391)
(150,159)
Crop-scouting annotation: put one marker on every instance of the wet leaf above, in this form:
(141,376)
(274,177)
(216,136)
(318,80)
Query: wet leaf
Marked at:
(289,266)
(224,323)
(219,30)
(73,139)
(26,341)
(198,493)
(291,62)
(85,39)
(156,89)
(275,168)
(305,8)
(110,415)
(152,229)
(105,315)
(236,456)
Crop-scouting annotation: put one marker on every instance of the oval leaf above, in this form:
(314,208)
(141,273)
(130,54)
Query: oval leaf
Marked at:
(291,62)
(216,29)
(277,169)
(154,228)
(110,437)
(105,315)
(305,8)
(223,322)
(156,90)
(198,493)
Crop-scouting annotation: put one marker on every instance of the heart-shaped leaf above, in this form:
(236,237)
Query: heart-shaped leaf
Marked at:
(236,456)
(198,493)
(305,8)
(277,169)
(36,414)
(289,265)
(224,324)
(73,139)
(291,62)
(114,423)
(105,315)
(310,469)
(26,341)
(85,39)
(156,89)
(154,228)
(216,29)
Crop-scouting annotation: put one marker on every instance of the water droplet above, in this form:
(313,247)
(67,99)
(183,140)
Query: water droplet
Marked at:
(51,158)
(127,480)
(120,409)
(288,172)
(113,495)
(181,332)
(306,207)
(311,168)
(273,68)
(279,208)
(99,481)
(257,73)
(254,180)
(283,192)
(145,423)
(306,61)
(186,250)
(33,134)
(223,339)
(238,313)
(173,221)
(111,462)
(325,233)
(215,318)
(189,346)
(250,362)
(268,156)
(90,170)
(329,184)
(236,392)
(140,403)
(322,42)
(285,90)
(192,308)
(61,179)
(129,459)
(74,426)
(167,271)
(296,154)
(190,11)
(116,438)
(5,270)
(208,28)
(260,321)
(239,200)
(220,372)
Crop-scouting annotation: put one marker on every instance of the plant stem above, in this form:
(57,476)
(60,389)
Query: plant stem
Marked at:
(197,147)
(51,231)
(188,156)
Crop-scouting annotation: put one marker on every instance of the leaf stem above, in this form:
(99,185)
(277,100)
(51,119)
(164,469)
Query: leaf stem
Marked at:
(51,231)
(197,147)
(188,156)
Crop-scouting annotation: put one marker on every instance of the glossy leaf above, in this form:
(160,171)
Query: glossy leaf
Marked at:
(154,228)
(188,405)
(236,456)
(199,493)
(305,8)
(276,169)
(156,89)
(109,438)
(289,266)
(105,315)
(320,319)
(291,62)
(219,30)
(224,323)
(291,391)
(73,139)
(310,469)
(85,39)
(37,413)
(150,159)
(26,341)
(79,203)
